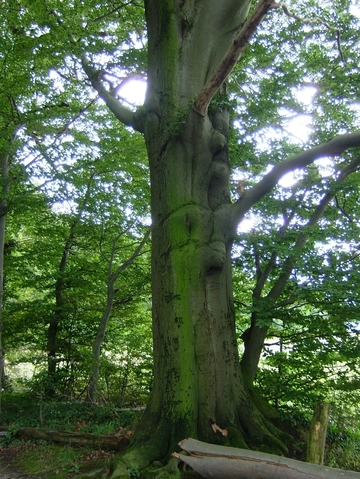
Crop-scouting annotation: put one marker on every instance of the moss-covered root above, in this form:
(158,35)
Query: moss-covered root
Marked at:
(122,471)
(125,470)
(170,471)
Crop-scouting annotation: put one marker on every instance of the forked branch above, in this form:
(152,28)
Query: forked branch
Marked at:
(126,116)
(231,56)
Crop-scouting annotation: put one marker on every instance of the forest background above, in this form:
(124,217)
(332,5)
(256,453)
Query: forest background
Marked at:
(75,295)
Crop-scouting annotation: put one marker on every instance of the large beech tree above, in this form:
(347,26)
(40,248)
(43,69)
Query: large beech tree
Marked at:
(199,389)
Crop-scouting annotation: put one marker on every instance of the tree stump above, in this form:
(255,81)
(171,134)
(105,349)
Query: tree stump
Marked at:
(317,433)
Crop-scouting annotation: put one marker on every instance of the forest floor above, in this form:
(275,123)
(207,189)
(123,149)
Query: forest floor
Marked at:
(14,460)
(26,457)
(30,457)
(8,461)
(8,472)
(31,460)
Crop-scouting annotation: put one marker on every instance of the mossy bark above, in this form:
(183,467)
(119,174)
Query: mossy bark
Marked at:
(317,433)
(197,376)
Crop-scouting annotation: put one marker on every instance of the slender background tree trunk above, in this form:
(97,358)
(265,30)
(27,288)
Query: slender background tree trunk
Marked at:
(5,167)
(59,315)
(110,294)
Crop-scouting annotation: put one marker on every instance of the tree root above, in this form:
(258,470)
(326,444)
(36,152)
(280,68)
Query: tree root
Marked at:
(155,471)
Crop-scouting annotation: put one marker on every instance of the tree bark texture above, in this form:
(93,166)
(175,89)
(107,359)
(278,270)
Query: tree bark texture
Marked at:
(317,433)
(197,378)
(219,462)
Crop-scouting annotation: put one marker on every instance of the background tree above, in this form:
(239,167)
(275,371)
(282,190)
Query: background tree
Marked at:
(113,275)
(54,151)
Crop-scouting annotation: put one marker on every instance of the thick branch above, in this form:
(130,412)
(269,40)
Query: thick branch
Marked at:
(231,56)
(128,117)
(280,284)
(332,148)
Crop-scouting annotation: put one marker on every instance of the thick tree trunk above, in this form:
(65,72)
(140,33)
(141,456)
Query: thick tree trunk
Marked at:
(197,376)
(198,386)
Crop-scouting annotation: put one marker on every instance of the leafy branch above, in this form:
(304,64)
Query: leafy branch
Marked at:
(313,21)
(261,319)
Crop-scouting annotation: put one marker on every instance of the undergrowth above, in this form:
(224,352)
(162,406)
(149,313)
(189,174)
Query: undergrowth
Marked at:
(31,411)
(55,462)
(51,461)
(343,449)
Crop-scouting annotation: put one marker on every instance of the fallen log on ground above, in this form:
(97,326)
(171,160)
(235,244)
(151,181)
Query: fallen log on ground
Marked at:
(220,462)
(106,442)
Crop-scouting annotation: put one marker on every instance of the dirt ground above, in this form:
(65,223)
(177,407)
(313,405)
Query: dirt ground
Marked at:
(8,468)
(7,471)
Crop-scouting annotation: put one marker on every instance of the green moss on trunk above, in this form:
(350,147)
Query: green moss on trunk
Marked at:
(198,381)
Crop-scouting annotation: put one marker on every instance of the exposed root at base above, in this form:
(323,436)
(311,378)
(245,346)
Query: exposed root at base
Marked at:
(156,471)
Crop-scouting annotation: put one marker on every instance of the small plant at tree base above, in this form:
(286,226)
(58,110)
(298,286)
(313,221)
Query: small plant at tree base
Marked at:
(134,472)
(10,434)
(74,468)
